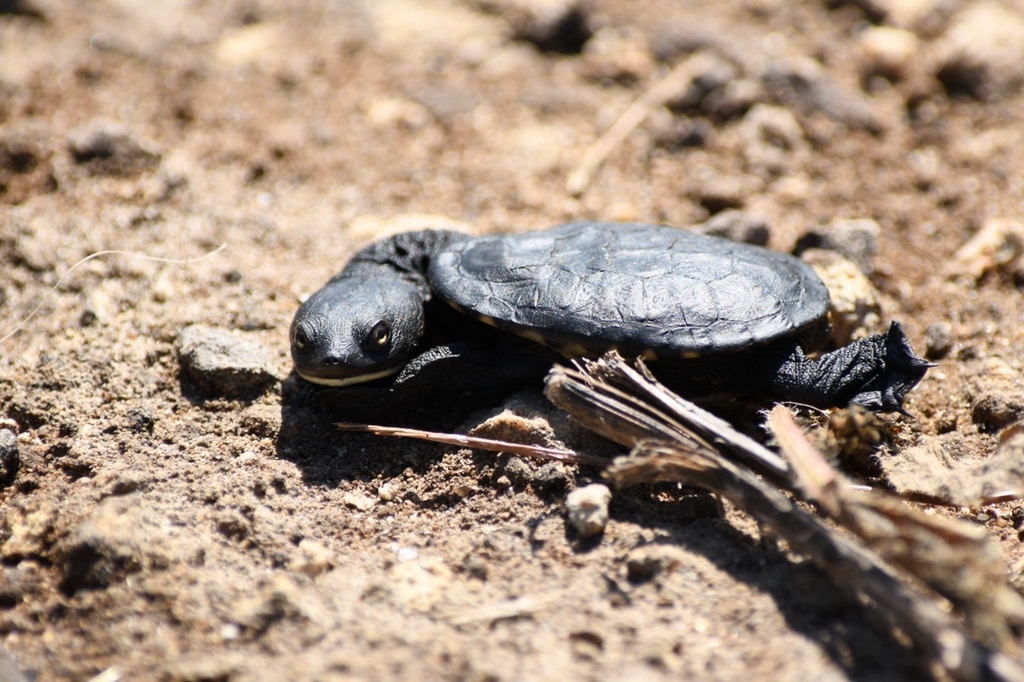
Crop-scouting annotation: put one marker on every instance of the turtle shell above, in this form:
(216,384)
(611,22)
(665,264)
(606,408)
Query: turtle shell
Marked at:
(647,290)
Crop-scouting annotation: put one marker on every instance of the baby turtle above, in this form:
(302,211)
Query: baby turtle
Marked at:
(425,317)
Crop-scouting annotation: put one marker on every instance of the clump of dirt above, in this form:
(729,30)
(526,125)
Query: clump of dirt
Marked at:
(160,526)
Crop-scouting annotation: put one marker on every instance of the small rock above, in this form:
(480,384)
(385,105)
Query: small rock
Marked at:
(223,364)
(232,524)
(938,340)
(396,112)
(517,470)
(588,509)
(675,133)
(26,167)
(561,26)
(312,559)
(739,226)
(854,239)
(995,390)
(358,501)
(724,193)
(888,52)
(804,85)
(675,39)
(923,17)
(855,307)
(997,247)
(10,456)
(736,98)
(708,73)
(551,477)
(995,409)
(110,148)
(510,425)
(648,561)
(981,55)
(771,136)
(775,126)
(616,54)
(388,490)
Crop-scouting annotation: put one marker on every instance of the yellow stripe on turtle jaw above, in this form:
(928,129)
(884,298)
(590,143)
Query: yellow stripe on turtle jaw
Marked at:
(348,381)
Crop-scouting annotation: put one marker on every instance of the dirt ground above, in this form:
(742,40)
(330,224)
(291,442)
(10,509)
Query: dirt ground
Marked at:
(158,530)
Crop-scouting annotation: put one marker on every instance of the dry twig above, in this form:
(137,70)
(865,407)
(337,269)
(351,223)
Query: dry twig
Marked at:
(624,404)
(637,112)
(535,451)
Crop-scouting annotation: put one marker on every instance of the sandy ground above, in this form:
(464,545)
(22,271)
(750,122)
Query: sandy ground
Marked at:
(158,530)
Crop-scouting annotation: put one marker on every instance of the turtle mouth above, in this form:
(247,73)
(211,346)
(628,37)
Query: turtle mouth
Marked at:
(337,381)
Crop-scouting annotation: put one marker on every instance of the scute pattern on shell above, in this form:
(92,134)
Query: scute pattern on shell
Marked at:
(642,289)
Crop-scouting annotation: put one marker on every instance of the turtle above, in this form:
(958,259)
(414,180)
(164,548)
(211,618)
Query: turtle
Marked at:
(431,316)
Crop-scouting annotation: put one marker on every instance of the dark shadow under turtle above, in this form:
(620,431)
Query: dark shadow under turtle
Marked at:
(439,318)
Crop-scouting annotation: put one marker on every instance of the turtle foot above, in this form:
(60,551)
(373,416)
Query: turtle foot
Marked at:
(876,372)
(897,370)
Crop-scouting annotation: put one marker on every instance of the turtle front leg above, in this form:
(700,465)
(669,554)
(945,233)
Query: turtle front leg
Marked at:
(876,372)
(449,378)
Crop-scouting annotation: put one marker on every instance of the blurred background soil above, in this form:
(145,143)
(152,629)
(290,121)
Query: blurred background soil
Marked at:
(163,523)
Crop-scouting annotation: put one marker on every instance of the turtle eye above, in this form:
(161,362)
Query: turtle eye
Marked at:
(300,340)
(379,337)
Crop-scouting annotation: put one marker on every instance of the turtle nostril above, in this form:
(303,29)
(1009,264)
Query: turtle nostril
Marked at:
(332,360)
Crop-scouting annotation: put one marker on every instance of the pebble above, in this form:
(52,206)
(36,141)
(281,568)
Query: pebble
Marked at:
(111,148)
(359,501)
(995,390)
(981,55)
(615,54)
(551,477)
(739,226)
(923,17)
(805,86)
(888,52)
(855,306)
(223,364)
(997,247)
(856,240)
(389,490)
(587,508)
(10,456)
(735,99)
(938,340)
(561,26)
(26,166)
(517,470)
(771,135)
(708,73)
(648,561)
(312,559)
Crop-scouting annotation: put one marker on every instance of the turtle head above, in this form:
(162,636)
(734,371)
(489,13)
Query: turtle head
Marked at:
(355,330)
